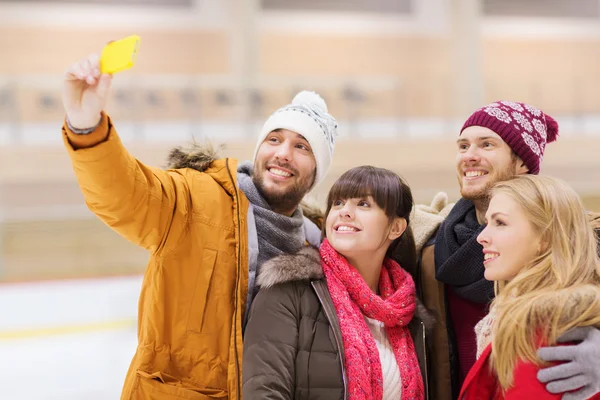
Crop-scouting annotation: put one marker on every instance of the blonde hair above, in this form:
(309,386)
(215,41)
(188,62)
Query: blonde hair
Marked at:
(559,289)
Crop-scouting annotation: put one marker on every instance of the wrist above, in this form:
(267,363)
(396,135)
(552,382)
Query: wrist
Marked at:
(75,127)
(83,126)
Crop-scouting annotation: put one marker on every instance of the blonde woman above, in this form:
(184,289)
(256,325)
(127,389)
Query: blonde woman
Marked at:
(541,251)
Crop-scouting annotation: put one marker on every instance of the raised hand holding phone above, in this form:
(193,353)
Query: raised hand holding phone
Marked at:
(87,82)
(85,92)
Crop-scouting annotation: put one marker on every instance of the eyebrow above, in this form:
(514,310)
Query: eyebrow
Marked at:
(298,136)
(494,215)
(481,139)
(301,137)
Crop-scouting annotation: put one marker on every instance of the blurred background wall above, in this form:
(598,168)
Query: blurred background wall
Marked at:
(399,75)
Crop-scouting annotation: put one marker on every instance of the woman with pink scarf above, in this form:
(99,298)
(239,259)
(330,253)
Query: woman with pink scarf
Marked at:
(343,322)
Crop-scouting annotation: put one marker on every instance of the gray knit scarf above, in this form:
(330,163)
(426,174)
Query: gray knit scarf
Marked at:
(277,234)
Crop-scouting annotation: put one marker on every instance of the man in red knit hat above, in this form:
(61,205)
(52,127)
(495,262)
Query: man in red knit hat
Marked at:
(497,142)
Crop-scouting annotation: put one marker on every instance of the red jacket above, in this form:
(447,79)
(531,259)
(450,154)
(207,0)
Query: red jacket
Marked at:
(481,384)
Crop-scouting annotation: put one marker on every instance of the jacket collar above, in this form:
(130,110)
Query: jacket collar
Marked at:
(304,265)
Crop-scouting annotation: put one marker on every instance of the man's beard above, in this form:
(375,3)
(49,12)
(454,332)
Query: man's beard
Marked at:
(483,195)
(285,200)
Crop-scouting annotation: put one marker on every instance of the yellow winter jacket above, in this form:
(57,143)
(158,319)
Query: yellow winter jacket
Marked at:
(193,295)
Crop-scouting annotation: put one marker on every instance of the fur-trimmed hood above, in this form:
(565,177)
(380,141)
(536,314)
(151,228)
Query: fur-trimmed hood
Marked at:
(196,156)
(305,266)
(199,157)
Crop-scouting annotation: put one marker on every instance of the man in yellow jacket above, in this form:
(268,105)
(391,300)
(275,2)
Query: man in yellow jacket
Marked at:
(208,224)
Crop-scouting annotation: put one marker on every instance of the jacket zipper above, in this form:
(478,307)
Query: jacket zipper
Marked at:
(237,284)
(330,314)
(426,383)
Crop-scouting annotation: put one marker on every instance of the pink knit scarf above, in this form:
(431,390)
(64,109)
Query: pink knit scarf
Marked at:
(353,300)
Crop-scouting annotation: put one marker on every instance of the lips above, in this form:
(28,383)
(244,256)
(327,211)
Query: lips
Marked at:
(474,173)
(345,228)
(489,256)
(280,172)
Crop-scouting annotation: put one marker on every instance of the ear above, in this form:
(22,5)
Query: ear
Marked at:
(542,245)
(522,169)
(397,229)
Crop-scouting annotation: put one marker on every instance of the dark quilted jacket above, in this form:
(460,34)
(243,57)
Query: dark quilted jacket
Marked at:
(293,346)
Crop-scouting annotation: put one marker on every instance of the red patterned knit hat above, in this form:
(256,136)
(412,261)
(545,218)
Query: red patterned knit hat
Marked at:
(524,128)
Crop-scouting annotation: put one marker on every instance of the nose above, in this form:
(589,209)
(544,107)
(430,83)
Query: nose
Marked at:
(471,155)
(284,152)
(346,211)
(484,238)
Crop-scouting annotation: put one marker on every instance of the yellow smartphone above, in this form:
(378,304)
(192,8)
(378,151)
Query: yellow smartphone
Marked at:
(119,55)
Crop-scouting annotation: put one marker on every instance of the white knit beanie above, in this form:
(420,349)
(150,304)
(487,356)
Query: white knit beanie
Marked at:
(307,116)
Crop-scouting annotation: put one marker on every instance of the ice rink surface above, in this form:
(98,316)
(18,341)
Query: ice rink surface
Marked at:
(67,340)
